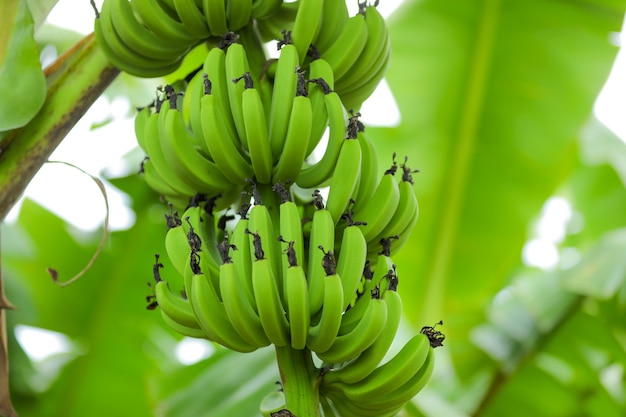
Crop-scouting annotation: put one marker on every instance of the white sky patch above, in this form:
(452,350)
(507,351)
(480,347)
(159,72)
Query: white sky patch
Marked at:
(40,344)
(189,350)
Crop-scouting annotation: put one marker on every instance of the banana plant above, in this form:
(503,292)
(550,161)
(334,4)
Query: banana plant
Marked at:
(299,268)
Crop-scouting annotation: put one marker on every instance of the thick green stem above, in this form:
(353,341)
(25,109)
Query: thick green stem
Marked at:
(299,375)
(23,151)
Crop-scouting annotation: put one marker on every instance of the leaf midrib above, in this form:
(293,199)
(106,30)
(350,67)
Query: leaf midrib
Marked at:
(470,110)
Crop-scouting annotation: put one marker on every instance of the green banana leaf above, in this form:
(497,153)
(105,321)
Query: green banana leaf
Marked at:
(493,95)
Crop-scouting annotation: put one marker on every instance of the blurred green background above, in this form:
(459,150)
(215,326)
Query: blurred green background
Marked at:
(496,101)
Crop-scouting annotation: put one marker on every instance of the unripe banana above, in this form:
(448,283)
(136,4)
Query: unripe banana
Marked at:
(334,17)
(323,334)
(345,178)
(318,69)
(306,25)
(263,9)
(369,168)
(158,161)
(217,137)
(364,334)
(354,97)
(238,13)
(392,375)
(215,68)
(351,261)
(290,229)
(266,293)
(194,332)
(373,55)
(359,368)
(379,208)
(322,235)
(319,173)
(256,134)
(192,17)
(161,23)
(215,14)
(180,152)
(240,311)
(295,143)
(297,298)
(210,311)
(345,50)
(262,232)
(283,93)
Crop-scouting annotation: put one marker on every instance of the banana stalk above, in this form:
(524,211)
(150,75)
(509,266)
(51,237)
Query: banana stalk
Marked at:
(23,151)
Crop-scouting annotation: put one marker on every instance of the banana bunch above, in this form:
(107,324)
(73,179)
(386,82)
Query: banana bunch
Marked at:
(148,38)
(259,257)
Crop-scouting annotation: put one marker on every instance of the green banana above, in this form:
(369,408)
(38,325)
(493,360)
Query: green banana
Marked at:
(345,178)
(379,208)
(263,9)
(161,23)
(181,153)
(194,332)
(359,368)
(157,158)
(354,97)
(306,25)
(215,67)
(241,258)
(221,145)
(295,146)
(256,135)
(272,403)
(262,232)
(215,14)
(404,217)
(125,59)
(392,375)
(317,174)
(283,94)
(140,122)
(269,305)
(210,311)
(351,261)
(350,345)
(238,13)
(322,235)
(235,65)
(373,55)
(290,231)
(240,312)
(297,300)
(138,37)
(192,17)
(323,334)
(334,17)
(318,69)
(176,243)
(347,48)
(369,168)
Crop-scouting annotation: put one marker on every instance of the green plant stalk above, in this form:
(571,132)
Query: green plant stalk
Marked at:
(298,376)
(23,151)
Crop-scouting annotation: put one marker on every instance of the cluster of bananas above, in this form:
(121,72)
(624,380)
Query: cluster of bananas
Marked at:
(148,38)
(262,255)
(266,275)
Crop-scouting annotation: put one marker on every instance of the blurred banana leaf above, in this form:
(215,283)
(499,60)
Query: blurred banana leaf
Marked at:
(493,96)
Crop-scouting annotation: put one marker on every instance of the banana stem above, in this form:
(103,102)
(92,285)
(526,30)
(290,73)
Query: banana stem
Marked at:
(298,376)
